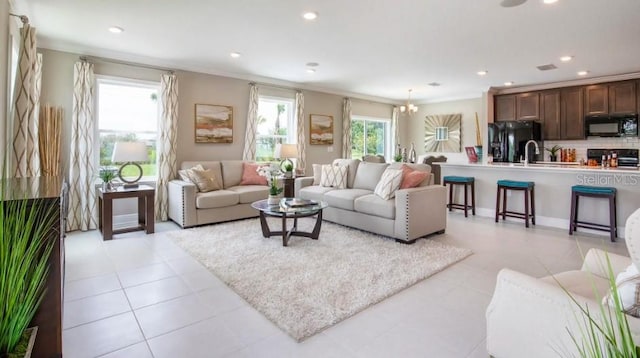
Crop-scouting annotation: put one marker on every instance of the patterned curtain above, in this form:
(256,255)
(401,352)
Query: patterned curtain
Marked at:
(249,152)
(83,213)
(25,158)
(346,128)
(394,127)
(167,143)
(302,153)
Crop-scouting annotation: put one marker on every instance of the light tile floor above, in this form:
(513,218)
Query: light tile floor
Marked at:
(141,296)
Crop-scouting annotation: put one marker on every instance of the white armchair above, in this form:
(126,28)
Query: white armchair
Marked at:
(531,317)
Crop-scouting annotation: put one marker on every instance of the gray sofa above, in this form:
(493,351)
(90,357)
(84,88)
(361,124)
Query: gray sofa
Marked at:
(188,207)
(412,214)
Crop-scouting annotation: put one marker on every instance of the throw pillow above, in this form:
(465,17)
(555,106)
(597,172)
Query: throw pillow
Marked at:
(317,174)
(250,175)
(628,285)
(334,176)
(411,178)
(389,183)
(205,180)
(184,173)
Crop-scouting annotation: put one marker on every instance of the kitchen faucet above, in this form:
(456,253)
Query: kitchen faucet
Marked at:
(526,151)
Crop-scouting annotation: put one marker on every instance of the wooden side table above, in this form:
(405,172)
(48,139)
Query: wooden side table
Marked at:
(289,187)
(146,200)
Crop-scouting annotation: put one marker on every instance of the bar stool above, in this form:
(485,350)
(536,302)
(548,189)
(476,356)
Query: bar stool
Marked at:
(528,187)
(594,192)
(466,182)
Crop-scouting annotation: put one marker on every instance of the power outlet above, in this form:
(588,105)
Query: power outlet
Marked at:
(330,149)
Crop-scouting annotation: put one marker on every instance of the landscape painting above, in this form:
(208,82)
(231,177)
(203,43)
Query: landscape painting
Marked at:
(321,128)
(214,124)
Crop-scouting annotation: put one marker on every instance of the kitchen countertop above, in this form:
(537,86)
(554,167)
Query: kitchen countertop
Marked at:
(556,167)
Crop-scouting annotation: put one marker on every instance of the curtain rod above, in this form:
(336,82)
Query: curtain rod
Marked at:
(23,18)
(275,86)
(126,63)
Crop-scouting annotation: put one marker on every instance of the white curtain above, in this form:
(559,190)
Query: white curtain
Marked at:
(302,153)
(82,172)
(346,128)
(167,142)
(394,126)
(25,158)
(249,152)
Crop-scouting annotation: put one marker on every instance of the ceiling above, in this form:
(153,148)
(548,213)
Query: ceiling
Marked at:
(376,48)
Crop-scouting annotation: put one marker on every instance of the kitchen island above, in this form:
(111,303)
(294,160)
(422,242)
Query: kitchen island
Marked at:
(552,190)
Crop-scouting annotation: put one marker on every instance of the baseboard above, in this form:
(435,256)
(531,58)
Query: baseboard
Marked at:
(550,222)
(125,221)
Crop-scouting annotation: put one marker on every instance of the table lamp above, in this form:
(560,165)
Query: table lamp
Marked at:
(284,152)
(129,153)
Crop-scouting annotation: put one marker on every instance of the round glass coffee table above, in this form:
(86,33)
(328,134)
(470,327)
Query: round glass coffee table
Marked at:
(290,208)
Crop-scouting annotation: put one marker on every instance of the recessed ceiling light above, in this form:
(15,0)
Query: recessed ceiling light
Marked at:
(549,1)
(116,30)
(235,54)
(512,3)
(566,58)
(510,83)
(312,64)
(582,73)
(482,73)
(434,84)
(310,15)
(311,70)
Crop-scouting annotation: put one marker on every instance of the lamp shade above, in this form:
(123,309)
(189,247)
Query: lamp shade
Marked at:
(286,151)
(124,152)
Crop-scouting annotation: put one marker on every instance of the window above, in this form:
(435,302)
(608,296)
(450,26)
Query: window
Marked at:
(127,111)
(276,124)
(370,136)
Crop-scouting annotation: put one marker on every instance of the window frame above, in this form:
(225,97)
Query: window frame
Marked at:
(388,134)
(292,136)
(131,82)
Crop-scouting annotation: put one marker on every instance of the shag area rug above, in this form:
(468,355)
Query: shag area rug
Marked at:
(312,284)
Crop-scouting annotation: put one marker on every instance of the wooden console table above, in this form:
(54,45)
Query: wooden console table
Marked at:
(146,200)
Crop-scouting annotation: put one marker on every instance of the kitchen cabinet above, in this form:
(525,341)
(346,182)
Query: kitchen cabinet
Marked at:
(572,113)
(505,108)
(528,106)
(550,114)
(622,98)
(596,100)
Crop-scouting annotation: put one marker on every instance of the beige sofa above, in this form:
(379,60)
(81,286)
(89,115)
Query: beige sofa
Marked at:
(412,214)
(532,317)
(188,207)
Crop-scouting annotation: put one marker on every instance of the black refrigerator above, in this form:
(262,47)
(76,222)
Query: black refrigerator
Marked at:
(507,140)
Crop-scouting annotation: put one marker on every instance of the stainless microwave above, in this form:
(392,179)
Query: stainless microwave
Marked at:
(611,125)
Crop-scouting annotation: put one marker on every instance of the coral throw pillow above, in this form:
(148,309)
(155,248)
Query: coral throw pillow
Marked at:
(411,178)
(250,175)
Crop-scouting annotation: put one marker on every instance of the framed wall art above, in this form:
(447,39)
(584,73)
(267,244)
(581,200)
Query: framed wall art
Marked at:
(214,123)
(321,128)
(443,133)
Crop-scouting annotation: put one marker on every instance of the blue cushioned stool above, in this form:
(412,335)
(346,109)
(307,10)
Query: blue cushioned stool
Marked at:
(528,187)
(466,182)
(594,192)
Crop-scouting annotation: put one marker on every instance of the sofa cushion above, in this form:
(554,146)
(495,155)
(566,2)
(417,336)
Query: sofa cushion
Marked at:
(216,199)
(250,175)
(314,192)
(368,175)
(374,205)
(389,183)
(214,166)
(317,174)
(343,198)
(184,173)
(418,166)
(334,176)
(580,282)
(352,164)
(412,178)
(250,193)
(205,180)
(231,172)
(628,286)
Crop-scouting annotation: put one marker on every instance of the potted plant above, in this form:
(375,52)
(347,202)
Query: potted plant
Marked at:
(553,152)
(107,175)
(24,268)
(288,170)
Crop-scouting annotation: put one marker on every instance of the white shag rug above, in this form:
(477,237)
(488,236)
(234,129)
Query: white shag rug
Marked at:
(312,284)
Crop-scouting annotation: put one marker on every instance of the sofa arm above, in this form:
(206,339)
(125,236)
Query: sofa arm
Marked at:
(596,262)
(182,203)
(301,183)
(420,211)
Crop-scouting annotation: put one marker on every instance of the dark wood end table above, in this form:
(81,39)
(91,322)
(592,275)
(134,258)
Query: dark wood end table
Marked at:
(146,201)
(289,213)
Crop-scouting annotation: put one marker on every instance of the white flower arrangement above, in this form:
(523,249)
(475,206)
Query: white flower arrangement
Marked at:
(271,172)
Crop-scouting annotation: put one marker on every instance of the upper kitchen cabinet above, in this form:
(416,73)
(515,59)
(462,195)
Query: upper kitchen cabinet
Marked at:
(596,100)
(550,114)
(505,108)
(572,113)
(622,97)
(528,106)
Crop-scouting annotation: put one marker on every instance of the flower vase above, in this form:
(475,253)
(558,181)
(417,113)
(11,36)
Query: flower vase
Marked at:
(273,200)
